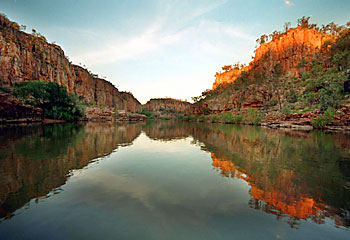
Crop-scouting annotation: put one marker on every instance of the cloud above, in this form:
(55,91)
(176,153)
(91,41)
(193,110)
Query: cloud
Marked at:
(171,26)
(288,3)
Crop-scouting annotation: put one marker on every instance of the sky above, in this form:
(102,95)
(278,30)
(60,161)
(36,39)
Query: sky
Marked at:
(160,48)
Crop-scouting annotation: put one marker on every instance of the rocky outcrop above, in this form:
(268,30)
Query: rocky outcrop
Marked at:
(288,50)
(167,104)
(11,110)
(26,57)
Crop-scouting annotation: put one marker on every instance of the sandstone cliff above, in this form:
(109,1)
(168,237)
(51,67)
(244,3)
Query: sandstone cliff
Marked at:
(167,104)
(30,57)
(288,50)
(11,110)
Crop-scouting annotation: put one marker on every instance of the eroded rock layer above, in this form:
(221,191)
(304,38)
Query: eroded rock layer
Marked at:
(288,50)
(26,57)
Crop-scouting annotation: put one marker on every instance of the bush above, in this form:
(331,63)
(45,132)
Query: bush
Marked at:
(149,114)
(3,88)
(323,120)
(286,109)
(215,118)
(253,116)
(54,99)
(330,96)
(227,117)
(237,119)
(257,120)
(292,96)
(202,118)
(190,117)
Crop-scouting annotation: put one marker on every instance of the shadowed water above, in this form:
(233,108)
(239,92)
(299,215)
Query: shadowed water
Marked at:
(172,180)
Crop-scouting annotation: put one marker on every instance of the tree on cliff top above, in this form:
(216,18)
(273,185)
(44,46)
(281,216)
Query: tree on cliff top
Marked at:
(52,98)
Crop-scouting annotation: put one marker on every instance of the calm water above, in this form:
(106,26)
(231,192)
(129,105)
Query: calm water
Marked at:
(166,180)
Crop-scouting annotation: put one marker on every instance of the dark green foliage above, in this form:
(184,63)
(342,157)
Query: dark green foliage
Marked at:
(228,117)
(292,96)
(149,114)
(253,116)
(330,96)
(52,98)
(302,63)
(286,109)
(190,117)
(3,88)
(215,118)
(323,120)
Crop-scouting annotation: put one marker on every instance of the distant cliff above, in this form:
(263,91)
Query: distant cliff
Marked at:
(30,57)
(167,104)
(288,49)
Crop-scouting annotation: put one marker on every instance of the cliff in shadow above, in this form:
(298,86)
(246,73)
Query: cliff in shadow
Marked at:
(26,57)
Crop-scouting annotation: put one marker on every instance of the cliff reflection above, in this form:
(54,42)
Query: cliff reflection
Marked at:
(292,175)
(36,159)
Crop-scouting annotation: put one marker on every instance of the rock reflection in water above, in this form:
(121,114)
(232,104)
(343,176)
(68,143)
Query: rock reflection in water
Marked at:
(292,175)
(36,159)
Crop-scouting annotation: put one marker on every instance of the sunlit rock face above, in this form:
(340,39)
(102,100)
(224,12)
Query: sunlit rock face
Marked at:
(167,104)
(287,50)
(25,57)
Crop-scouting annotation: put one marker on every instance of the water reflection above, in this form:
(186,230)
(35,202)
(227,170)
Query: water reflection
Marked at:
(292,175)
(35,159)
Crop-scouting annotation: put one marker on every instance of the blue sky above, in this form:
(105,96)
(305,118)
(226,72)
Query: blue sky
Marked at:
(160,48)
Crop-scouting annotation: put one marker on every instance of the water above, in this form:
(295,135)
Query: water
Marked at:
(168,180)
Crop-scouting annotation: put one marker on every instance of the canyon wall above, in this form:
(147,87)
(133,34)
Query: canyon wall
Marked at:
(288,50)
(167,104)
(26,57)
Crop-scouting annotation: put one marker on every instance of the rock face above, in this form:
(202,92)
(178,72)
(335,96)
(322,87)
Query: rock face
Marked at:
(287,50)
(30,57)
(167,104)
(13,111)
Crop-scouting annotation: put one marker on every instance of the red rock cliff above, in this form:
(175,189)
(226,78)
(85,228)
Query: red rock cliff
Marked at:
(287,50)
(26,57)
(167,104)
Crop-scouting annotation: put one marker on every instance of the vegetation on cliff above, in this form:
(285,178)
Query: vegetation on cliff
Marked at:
(54,99)
(321,87)
(28,56)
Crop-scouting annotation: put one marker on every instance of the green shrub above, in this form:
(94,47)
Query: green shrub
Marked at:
(253,116)
(54,99)
(190,117)
(257,120)
(286,109)
(227,117)
(149,114)
(330,96)
(292,96)
(202,118)
(237,119)
(3,88)
(215,118)
(324,120)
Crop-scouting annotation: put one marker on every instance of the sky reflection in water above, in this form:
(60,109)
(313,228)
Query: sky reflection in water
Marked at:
(166,180)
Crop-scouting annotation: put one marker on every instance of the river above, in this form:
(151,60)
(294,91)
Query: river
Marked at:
(172,180)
